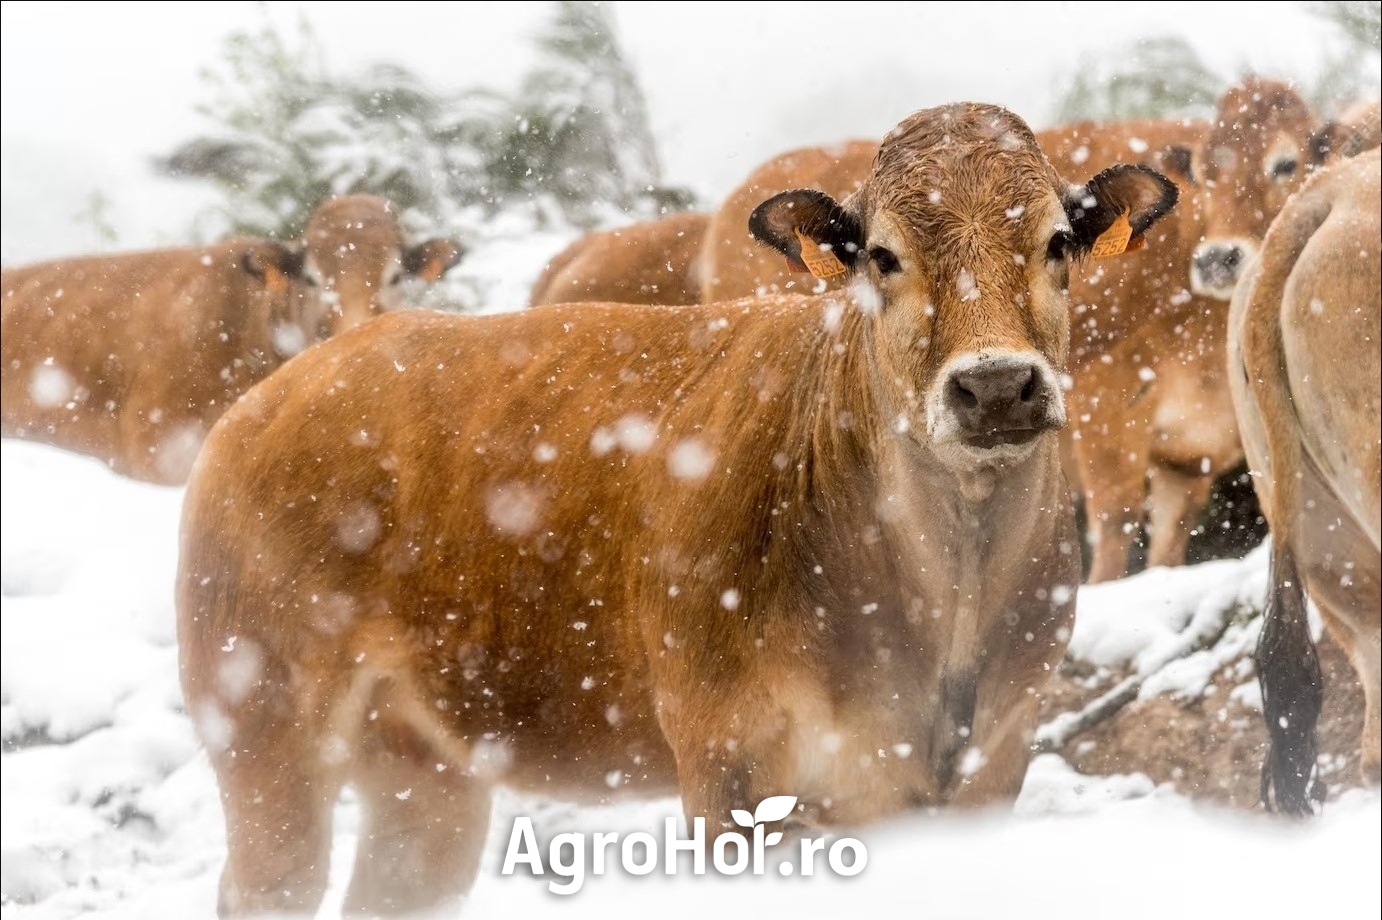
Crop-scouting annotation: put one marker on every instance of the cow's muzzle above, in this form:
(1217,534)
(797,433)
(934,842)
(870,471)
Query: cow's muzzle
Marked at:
(1216,267)
(1002,401)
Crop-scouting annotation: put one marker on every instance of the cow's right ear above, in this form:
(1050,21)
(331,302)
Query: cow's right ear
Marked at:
(274,264)
(811,229)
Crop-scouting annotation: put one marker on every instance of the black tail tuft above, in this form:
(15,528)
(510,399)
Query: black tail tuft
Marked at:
(1292,691)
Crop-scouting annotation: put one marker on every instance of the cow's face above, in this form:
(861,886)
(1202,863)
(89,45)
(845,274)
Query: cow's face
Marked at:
(1256,154)
(960,243)
(357,261)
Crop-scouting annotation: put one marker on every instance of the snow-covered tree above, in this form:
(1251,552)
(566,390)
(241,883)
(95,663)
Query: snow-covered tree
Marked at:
(1151,78)
(573,144)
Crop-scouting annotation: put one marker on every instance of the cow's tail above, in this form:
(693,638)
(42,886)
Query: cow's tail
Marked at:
(1288,667)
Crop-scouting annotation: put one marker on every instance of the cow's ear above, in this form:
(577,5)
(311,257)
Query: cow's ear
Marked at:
(274,264)
(1178,161)
(432,259)
(811,229)
(1122,201)
(1329,141)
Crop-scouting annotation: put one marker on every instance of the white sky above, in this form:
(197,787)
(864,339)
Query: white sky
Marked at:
(89,92)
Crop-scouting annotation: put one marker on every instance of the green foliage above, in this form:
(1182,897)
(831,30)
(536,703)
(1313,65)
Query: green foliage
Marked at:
(1153,78)
(1349,72)
(573,143)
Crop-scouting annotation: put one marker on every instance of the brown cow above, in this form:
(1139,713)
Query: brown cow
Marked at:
(1307,382)
(732,265)
(734,549)
(654,262)
(1152,424)
(1260,146)
(132,357)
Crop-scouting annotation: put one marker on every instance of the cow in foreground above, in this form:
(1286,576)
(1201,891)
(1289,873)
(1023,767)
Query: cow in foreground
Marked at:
(1307,383)
(132,357)
(654,262)
(787,545)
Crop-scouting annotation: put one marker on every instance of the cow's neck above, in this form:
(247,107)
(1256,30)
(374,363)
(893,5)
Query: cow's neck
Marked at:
(922,544)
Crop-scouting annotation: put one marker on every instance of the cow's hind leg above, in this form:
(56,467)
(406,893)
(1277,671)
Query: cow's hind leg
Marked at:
(277,793)
(423,824)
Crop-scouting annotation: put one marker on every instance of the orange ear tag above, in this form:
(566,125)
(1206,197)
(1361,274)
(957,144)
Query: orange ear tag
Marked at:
(822,263)
(1117,239)
(274,280)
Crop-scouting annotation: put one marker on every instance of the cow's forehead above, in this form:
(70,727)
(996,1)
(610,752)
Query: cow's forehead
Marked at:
(352,220)
(972,168)
(1251,116)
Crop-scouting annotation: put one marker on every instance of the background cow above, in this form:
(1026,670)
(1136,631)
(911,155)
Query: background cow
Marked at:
(1307,383)
(731,264)
(736,549)
(1259,148)
(131,357)
(654,262)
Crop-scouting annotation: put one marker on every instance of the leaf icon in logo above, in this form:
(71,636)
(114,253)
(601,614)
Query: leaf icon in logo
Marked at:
(774,837)
(743,818)
(773,808)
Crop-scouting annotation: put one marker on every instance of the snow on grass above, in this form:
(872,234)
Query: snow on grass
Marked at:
(122,820)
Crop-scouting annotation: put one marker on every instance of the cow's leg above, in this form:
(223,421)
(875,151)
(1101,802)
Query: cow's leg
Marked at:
(277,795)
(991,769)
(1176,498)
(1113,496)
(423,825)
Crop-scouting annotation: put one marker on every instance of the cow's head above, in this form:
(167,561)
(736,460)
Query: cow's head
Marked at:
(960,243)
(1258,151)
(357,259)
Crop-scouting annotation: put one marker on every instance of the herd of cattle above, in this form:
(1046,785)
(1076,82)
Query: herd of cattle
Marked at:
(778,500)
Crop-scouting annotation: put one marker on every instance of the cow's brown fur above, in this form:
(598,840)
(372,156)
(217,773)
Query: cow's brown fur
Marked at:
(1307,383)
(132,357)
(655,262)
(732,264)
(720,549)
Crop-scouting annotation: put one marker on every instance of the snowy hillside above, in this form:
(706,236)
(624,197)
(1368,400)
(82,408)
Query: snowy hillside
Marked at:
(110,810)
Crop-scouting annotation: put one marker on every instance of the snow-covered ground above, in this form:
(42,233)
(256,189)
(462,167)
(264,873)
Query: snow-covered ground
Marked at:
(110,809)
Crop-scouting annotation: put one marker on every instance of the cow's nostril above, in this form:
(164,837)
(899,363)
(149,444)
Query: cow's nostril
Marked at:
(1233,257)
(1029,388)
(966,398)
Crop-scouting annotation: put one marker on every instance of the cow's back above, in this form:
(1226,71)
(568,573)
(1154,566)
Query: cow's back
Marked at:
(125,355)
(654,262)
(732,263)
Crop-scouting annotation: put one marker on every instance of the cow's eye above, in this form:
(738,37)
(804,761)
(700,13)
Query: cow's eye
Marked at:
(883,260)
(1284,168)
(1058,247)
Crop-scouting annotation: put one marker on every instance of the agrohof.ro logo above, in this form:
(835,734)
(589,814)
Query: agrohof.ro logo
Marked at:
(638,853)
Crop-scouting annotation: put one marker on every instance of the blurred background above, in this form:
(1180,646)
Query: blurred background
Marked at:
(140,124)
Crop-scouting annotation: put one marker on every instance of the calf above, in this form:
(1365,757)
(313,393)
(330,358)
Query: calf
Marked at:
(731,264)
(811,546)
(1306,378)
(654,262)
(132,357)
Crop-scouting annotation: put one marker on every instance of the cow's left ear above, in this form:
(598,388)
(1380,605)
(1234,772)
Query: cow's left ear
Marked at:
(432,259)
(814,231)
(273,263)
(1136,194)
(1330,140)
(1178,161)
